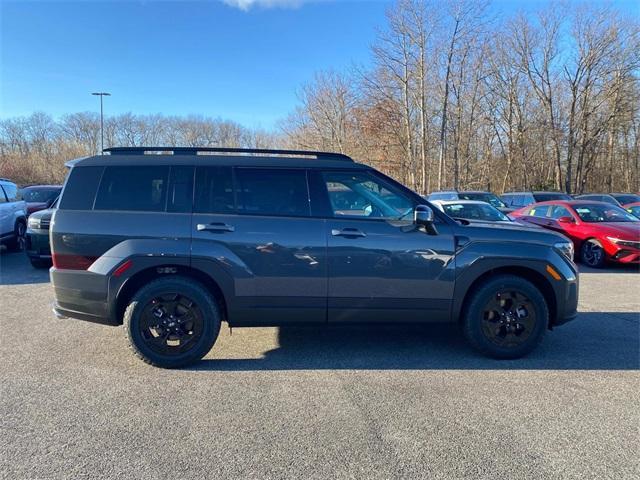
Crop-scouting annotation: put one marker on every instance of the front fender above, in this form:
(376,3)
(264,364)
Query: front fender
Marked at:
(479,258)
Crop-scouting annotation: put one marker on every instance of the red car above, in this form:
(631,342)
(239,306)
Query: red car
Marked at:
(40,197)
(600,231)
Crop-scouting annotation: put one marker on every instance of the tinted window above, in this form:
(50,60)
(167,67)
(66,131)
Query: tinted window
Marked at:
(133,188)
(489,198)
(39,195)
(272,192)
(547,197)
(364,195)
(180,193)
(80,189)
(214,190)
(627,198)
(3,199)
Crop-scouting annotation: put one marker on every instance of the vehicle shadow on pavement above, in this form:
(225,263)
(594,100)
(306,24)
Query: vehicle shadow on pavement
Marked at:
(16,270)
(594,341)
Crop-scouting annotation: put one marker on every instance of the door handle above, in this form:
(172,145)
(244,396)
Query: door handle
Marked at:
(347,232)
(215,227)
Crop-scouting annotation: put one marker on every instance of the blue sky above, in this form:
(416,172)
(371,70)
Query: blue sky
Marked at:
(227,59)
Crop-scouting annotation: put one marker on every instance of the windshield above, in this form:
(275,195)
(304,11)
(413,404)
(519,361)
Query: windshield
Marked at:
(635,210)
(547,197)
(627,198)
(489,198)
(600,213)
(34,195)
(475,211)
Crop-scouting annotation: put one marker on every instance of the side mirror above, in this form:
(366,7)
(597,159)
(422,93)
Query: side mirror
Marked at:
(423,216)
(566,220)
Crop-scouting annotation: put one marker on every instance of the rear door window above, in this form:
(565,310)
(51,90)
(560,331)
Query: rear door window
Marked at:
(278,192)
(214,190)
(133,188)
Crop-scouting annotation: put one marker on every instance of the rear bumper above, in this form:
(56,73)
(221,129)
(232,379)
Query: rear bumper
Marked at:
(82,295)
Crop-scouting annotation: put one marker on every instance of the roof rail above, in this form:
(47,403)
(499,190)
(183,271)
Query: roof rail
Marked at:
(5,179)
(196,150)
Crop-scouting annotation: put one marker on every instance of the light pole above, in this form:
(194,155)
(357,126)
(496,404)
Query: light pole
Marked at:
(101,94)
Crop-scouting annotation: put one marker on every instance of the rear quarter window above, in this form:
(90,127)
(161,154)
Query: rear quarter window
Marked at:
(80,189)
(132,188)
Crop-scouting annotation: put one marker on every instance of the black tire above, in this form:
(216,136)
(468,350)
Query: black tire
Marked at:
(592,253)
(16,244)
(510,331)
(40,262)
(151,343)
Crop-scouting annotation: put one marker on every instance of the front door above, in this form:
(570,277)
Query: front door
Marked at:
(256,222)
(381,267)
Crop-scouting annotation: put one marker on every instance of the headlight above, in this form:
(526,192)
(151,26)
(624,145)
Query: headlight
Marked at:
(34,222)
(566,248)
(624,243)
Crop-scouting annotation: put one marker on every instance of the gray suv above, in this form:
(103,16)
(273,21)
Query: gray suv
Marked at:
(171,242)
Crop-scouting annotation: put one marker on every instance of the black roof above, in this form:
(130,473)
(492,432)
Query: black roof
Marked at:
(216,156)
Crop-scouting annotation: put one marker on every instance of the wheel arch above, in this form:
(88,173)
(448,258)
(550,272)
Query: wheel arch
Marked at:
(128,289)
(528,273)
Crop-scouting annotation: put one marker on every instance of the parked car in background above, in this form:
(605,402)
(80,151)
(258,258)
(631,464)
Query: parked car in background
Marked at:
(13,216)
(474,211)
(598,197)
(633,208)
(487,197)
(172,243)
(516,200)
(600,231)
(37,238)
(626,198)
(39,197)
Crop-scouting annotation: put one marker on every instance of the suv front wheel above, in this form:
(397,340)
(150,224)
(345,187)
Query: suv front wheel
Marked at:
(506,317)
(172,322)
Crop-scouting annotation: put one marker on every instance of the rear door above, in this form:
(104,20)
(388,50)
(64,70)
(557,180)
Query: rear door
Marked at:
(380,266)
(257,223)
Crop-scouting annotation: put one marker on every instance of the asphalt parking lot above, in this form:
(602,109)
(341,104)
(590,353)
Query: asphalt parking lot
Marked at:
(350,402)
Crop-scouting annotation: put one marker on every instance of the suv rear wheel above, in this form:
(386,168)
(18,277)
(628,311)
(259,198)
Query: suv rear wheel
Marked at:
(506,317)
(172,322)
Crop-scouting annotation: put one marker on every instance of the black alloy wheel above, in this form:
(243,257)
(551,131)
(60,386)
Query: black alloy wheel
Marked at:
(171,324)
(508,318)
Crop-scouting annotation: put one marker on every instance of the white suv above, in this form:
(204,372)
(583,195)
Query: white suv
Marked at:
(13,216)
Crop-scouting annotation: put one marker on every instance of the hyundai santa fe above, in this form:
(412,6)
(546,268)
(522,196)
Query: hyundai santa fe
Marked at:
(171,242)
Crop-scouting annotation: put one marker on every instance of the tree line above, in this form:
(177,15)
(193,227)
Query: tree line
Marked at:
(452,97)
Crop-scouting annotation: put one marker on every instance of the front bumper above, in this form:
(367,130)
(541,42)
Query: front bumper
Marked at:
(37,244)
(566,291)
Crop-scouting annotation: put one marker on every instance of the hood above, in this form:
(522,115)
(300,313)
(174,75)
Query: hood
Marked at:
(622,230)
(43,214)
(508,232)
